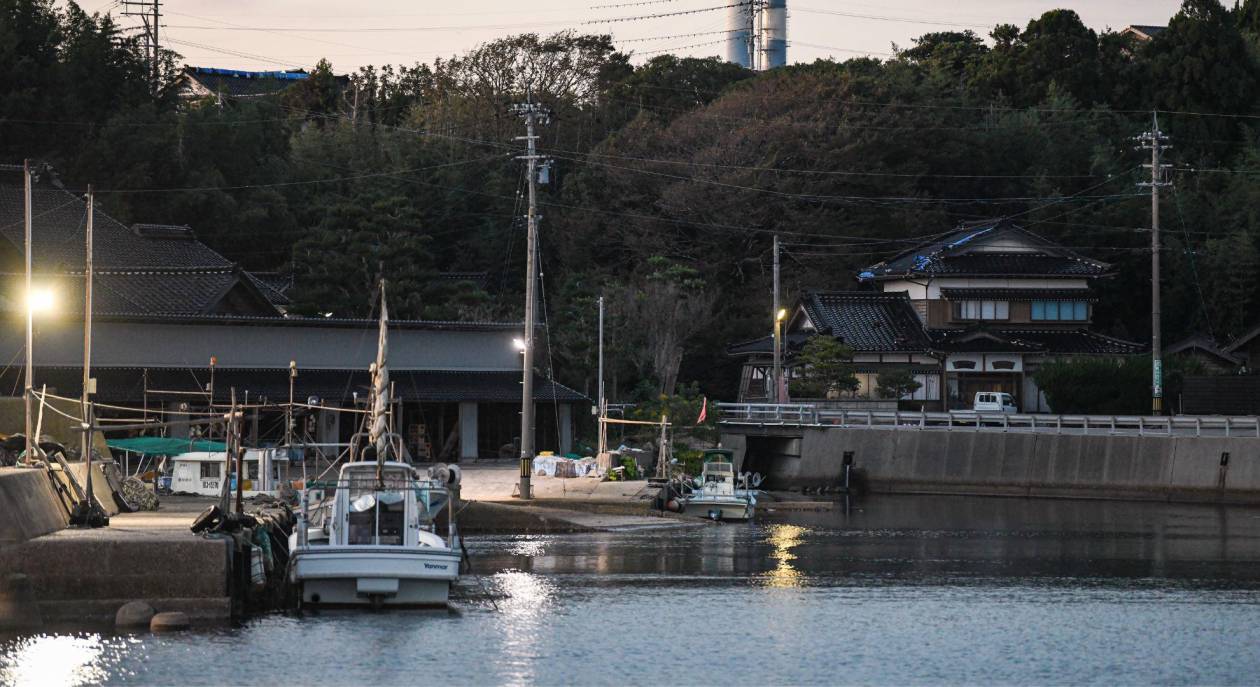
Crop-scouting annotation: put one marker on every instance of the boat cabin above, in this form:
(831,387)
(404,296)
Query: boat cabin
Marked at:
(389,511)
(202,472)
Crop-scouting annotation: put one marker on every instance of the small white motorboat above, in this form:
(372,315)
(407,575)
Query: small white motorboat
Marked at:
(372,542)
(370,538)
(716,496)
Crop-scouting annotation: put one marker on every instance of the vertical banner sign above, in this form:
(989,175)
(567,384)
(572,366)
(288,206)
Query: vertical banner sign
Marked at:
(1157,378)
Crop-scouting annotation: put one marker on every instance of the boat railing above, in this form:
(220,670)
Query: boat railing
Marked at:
(371,484)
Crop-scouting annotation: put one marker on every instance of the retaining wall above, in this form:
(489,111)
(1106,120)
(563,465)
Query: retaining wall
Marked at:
(1016,464)
(28,506)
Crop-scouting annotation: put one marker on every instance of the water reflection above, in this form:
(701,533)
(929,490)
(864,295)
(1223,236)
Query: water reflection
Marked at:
(784,538)
(527,607)
(54,660)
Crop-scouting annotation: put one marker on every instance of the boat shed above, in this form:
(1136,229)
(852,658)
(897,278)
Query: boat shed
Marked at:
(165,305)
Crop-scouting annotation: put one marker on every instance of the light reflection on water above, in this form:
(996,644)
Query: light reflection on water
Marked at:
(784,538)
(55,660)
(898,591)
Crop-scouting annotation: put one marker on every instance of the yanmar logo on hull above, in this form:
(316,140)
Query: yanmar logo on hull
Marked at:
(434,566)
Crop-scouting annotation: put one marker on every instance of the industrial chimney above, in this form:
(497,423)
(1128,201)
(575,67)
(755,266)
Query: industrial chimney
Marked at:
(773,34)
(758,34)
(739,21)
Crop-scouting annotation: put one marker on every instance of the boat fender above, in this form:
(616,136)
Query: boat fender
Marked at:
(757,479)
(454,475)
(440,473)
(209,519)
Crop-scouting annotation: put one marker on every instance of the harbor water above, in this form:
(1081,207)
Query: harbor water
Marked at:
(896,590)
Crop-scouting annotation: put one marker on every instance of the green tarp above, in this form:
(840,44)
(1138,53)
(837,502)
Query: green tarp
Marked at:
(162,446)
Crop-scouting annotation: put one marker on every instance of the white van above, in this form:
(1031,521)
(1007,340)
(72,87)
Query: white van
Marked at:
(994,402)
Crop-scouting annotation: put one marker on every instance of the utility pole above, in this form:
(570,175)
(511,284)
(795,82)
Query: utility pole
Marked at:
(1154,140)
(603,403)
(30,323)
(532,113)
(150,14)
(87,347)
(775,321)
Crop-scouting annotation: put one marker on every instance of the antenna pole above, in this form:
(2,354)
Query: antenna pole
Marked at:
(532,113)
(777,377)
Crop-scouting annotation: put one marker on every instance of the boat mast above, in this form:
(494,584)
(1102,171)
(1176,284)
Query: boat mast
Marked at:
(378,434)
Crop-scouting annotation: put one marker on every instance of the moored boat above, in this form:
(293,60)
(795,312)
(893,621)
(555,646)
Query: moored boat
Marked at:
(371,540)
(716,496)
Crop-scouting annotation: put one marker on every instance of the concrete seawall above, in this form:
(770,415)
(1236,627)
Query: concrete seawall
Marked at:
(30,507)
(1178,468)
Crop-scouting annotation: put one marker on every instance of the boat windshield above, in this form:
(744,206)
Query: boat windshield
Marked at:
(377,510)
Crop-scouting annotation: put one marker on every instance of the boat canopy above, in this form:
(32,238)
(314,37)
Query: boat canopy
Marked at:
(164,446)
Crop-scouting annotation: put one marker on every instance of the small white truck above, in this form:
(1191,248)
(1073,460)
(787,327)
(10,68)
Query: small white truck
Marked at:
(994,402)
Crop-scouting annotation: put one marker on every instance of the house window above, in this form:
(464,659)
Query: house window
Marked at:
(1071,311)
(981,310)
(209,470)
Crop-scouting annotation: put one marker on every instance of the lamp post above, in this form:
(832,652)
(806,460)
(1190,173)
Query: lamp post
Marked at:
(777,377)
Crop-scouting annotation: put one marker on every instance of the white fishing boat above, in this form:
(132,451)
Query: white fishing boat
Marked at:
(716,495)
(369,538)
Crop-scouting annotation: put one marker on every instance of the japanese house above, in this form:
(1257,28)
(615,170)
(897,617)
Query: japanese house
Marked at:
(977,310)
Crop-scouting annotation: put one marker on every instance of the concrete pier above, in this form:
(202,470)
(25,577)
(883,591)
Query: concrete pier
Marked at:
(82,576)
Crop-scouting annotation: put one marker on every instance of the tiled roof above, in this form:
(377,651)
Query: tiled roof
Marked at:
(1065,341)
(1019,294)
(156,292)
(791,342)
(1204,343)
(956,255)
(867,321)
(58,220)
(127,385)
(274,286)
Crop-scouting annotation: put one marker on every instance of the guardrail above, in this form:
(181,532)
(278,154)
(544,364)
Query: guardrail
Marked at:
(808,415)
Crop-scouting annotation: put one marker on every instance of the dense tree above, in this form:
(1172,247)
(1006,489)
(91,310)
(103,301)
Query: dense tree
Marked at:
(672,175)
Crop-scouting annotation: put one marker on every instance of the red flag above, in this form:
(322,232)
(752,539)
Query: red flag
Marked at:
(704,411)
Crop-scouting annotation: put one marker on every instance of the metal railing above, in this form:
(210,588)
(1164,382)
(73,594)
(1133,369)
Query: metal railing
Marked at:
(806,415)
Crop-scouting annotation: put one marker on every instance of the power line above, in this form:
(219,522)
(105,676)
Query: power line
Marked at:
(879,17)
(677,35)
(686,47)
(631,4)
(664,14)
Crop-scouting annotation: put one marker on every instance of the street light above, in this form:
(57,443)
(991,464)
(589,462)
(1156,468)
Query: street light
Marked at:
(39,300)
(777,377)
(519,344)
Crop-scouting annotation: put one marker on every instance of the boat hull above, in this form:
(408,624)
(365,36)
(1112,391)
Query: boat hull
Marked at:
(374,576)
(720,509)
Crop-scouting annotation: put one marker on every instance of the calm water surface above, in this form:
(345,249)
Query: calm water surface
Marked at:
(899,590)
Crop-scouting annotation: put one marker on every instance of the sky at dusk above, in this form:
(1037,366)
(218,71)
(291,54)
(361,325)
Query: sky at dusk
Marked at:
(271,34)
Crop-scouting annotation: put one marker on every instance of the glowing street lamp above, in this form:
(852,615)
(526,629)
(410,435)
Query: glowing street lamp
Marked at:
(519,344)
(777,377)
(39,301)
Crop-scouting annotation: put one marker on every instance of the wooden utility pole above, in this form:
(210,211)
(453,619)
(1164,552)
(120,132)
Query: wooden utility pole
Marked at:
(29,394)
(1154,140)
(87,347)
(533,113)
(777,377)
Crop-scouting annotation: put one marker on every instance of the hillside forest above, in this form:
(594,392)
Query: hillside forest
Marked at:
(671,175)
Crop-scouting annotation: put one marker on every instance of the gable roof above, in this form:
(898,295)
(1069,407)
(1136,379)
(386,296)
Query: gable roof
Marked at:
(867,321)
(144,269)
(958,254)
(58,225)
(1205,344)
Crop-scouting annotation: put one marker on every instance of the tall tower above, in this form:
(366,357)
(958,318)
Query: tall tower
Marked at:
(739,21)
(773,38)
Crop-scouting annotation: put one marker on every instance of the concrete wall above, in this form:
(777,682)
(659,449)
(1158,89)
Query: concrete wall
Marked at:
(30,508)
(1023,464)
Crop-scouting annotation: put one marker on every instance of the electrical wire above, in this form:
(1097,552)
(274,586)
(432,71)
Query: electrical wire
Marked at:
(664,14)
